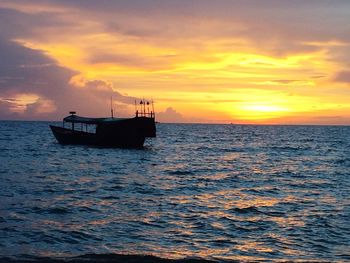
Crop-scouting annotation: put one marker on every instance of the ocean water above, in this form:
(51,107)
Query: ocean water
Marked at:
(240,192)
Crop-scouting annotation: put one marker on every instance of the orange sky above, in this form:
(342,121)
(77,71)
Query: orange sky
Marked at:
(273,62)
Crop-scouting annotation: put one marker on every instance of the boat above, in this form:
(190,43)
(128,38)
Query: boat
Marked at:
(106,132)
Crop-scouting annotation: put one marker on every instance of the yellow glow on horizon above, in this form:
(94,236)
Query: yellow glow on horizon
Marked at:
(264,108)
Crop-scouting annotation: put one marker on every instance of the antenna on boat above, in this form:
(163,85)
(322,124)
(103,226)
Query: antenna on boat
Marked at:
(112,106)
(144,107)
(141,108)
(154,114)
(147,107)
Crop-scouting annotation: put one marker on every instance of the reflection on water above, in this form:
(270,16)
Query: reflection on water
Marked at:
(210,191)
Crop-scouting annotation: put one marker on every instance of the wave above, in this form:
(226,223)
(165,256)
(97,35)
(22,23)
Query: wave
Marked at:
(179,172)
(104,258)
(246,210)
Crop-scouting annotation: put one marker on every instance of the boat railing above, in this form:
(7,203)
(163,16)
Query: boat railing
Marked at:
(144,109)
(145,114)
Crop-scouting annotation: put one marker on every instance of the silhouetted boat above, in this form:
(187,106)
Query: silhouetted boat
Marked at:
(106,132)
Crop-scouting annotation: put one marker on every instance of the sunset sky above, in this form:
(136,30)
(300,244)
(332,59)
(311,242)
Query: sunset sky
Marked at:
(222,61)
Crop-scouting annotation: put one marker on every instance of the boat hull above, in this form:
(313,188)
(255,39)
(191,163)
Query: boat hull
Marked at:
(119,136)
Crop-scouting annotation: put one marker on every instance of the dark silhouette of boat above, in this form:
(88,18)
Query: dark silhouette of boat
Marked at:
(106,132)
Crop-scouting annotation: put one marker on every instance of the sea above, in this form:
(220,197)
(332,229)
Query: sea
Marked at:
(220,193)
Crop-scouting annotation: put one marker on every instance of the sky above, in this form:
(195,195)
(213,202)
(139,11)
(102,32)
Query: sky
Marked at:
(222,61)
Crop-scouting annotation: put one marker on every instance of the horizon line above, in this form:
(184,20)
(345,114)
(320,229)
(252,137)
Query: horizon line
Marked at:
(205,123)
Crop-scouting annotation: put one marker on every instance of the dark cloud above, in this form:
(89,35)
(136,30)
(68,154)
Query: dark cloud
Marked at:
(5,114)
(17,24)
(24,70)
(20,57)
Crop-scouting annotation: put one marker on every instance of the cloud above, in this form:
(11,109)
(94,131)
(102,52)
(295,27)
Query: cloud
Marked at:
(170,115)
(41,106)
(280,27)
(5,114)
(72,54)
(276,28)
(102,88)
(33,86)
(343,77)
(18,24)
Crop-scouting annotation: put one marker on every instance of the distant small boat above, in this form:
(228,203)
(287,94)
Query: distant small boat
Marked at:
(106,132)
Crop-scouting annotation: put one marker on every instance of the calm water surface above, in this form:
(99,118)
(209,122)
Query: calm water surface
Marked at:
(209,191)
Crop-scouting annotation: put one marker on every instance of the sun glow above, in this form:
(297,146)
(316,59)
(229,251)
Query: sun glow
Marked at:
(264,108)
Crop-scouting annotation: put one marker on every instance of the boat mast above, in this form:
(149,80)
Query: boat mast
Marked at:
(144,107)
(148,114)
(141,108)
(136,112)
(153,109)
(112,106)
